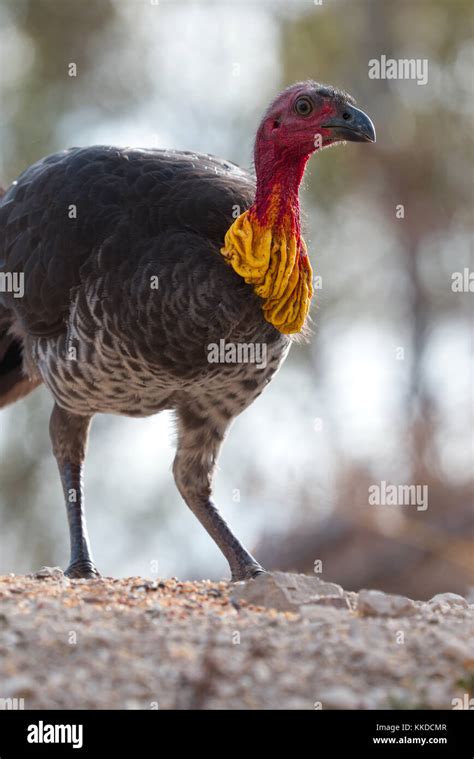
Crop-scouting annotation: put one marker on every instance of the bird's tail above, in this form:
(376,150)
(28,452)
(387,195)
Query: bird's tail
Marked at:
(14,384)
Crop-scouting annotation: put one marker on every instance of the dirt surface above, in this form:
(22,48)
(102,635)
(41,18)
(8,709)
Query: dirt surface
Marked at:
(148,644)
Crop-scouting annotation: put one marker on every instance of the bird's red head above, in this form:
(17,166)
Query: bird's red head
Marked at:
(264,244)
(303,118)
(308,116)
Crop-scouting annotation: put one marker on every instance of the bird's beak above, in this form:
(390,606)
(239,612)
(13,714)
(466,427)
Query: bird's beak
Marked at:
(354,125)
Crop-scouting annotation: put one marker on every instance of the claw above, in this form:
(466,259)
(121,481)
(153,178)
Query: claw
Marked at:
(82,570)
(248,573)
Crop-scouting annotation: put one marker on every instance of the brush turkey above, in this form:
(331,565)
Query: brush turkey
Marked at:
(132,265)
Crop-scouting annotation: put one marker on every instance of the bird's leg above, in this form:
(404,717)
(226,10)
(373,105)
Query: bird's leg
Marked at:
(69,434)
(199,441)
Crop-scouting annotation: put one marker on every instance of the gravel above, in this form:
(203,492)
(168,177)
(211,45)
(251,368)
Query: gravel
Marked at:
(137,643)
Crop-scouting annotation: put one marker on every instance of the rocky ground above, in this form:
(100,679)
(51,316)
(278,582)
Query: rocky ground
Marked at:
(282,641)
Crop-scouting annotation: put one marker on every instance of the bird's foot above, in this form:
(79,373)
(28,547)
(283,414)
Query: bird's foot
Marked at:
(82,570)
(249,572)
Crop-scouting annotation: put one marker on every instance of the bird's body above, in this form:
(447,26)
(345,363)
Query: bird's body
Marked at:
(140,269)
(126,322)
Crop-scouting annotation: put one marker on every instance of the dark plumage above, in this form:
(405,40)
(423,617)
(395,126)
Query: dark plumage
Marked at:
(125,289)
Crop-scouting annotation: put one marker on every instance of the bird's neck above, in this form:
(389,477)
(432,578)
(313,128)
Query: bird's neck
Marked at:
(277,202)
(265,247)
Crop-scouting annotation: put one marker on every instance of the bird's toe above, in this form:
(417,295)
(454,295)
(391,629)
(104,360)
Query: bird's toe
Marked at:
(82,570)
(248,573)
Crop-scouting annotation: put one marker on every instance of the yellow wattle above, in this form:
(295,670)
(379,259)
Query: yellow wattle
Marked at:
(269,260)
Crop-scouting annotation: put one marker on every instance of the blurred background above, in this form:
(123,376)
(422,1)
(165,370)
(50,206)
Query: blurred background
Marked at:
(384,391)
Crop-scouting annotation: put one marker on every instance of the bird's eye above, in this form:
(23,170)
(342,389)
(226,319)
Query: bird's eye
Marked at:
(303,106)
